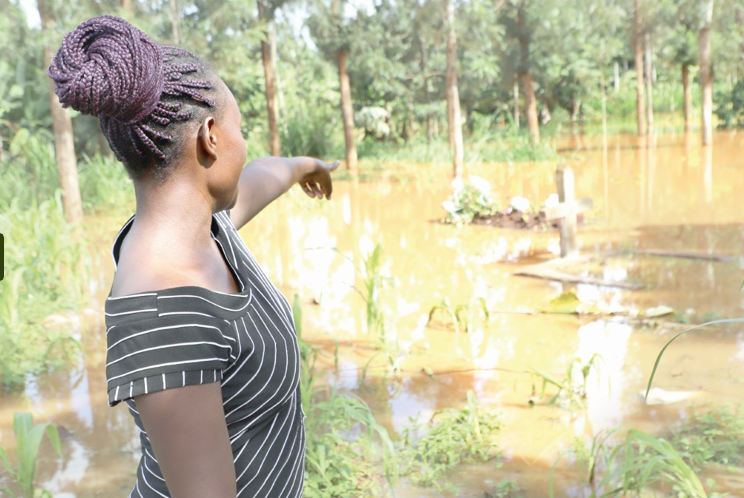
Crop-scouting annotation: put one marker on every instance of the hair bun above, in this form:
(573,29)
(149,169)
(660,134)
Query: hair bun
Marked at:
(108,67)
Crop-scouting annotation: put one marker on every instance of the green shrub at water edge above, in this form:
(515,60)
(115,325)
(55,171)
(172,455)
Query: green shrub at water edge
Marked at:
(28,438)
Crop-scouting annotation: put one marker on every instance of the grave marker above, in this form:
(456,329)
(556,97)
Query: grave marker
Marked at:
(567,210)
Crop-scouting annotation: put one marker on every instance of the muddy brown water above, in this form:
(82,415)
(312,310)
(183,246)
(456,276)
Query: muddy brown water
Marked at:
(662,193)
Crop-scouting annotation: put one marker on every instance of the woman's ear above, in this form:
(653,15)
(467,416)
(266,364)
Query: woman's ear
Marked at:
(207,139)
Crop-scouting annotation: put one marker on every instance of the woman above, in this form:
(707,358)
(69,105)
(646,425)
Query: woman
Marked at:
(201,346)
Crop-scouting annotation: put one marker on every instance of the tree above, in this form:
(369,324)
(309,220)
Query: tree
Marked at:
(453,97)
(638,58)
(706,75)
(649,83)
(266,15)
(526,75)
(334,37)
(64,146)
(175,23)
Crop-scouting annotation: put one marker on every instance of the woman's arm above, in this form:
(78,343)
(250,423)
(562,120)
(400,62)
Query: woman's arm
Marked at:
(265,179)
(188,433)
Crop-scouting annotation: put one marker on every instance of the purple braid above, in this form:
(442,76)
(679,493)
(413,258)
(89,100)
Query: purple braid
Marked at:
(108,68)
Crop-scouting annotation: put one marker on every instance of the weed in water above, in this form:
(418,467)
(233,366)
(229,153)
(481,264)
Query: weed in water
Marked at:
(462,316)
(712,436)
(506,488)
(454,436)
(342,436)
(574,392)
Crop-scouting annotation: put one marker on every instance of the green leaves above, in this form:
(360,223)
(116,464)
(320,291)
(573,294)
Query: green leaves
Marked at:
(28,439)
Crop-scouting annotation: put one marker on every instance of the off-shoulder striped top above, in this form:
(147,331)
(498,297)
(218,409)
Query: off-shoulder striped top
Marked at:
(188,335)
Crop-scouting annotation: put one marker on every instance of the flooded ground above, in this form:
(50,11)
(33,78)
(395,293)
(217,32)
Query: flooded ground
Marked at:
(667,194)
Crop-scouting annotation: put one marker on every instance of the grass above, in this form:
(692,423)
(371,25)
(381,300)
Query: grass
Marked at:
(48,265)
(490,145)
(342,436)
(48,262)
(711,436)
(572,391)
(641,462)
(452,436)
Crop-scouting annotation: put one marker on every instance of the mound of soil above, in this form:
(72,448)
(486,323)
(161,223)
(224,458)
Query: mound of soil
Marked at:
(520,221)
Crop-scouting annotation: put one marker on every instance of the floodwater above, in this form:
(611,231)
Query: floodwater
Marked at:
(664,193)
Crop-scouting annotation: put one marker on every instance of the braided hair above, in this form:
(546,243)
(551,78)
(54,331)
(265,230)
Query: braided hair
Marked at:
(137,88)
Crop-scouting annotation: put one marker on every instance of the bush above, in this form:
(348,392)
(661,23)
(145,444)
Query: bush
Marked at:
(469,200)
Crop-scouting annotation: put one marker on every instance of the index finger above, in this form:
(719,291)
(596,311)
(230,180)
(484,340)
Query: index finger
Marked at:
(334,166)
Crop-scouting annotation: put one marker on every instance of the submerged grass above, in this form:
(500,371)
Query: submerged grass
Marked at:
(711,436)
(341,430)
(451,437)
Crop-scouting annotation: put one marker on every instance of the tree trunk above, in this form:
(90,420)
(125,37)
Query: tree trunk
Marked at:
(275,148)
(638,53)
(617,76)
(706,76)
(175,22)
(453,96)
(64,146)
(126,5)
(604,110)
(515,91)
(687,95)
(347,112)
(649,84)
(277,78)
(526,77)
(422,65)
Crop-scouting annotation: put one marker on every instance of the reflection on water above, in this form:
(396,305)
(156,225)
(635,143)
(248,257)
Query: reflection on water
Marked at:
(665,194)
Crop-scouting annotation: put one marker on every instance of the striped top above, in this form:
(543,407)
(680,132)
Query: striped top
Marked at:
(188,335)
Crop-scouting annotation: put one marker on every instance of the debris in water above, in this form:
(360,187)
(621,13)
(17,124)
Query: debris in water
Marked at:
(658,396)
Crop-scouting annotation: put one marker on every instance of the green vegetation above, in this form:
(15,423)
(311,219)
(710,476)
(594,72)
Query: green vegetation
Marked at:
(342,430)
(48,262)
(711,436)
(569,388)
(453,436)
(28,438)
(338,460)
(469,200)
(642,461)
(464,315)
